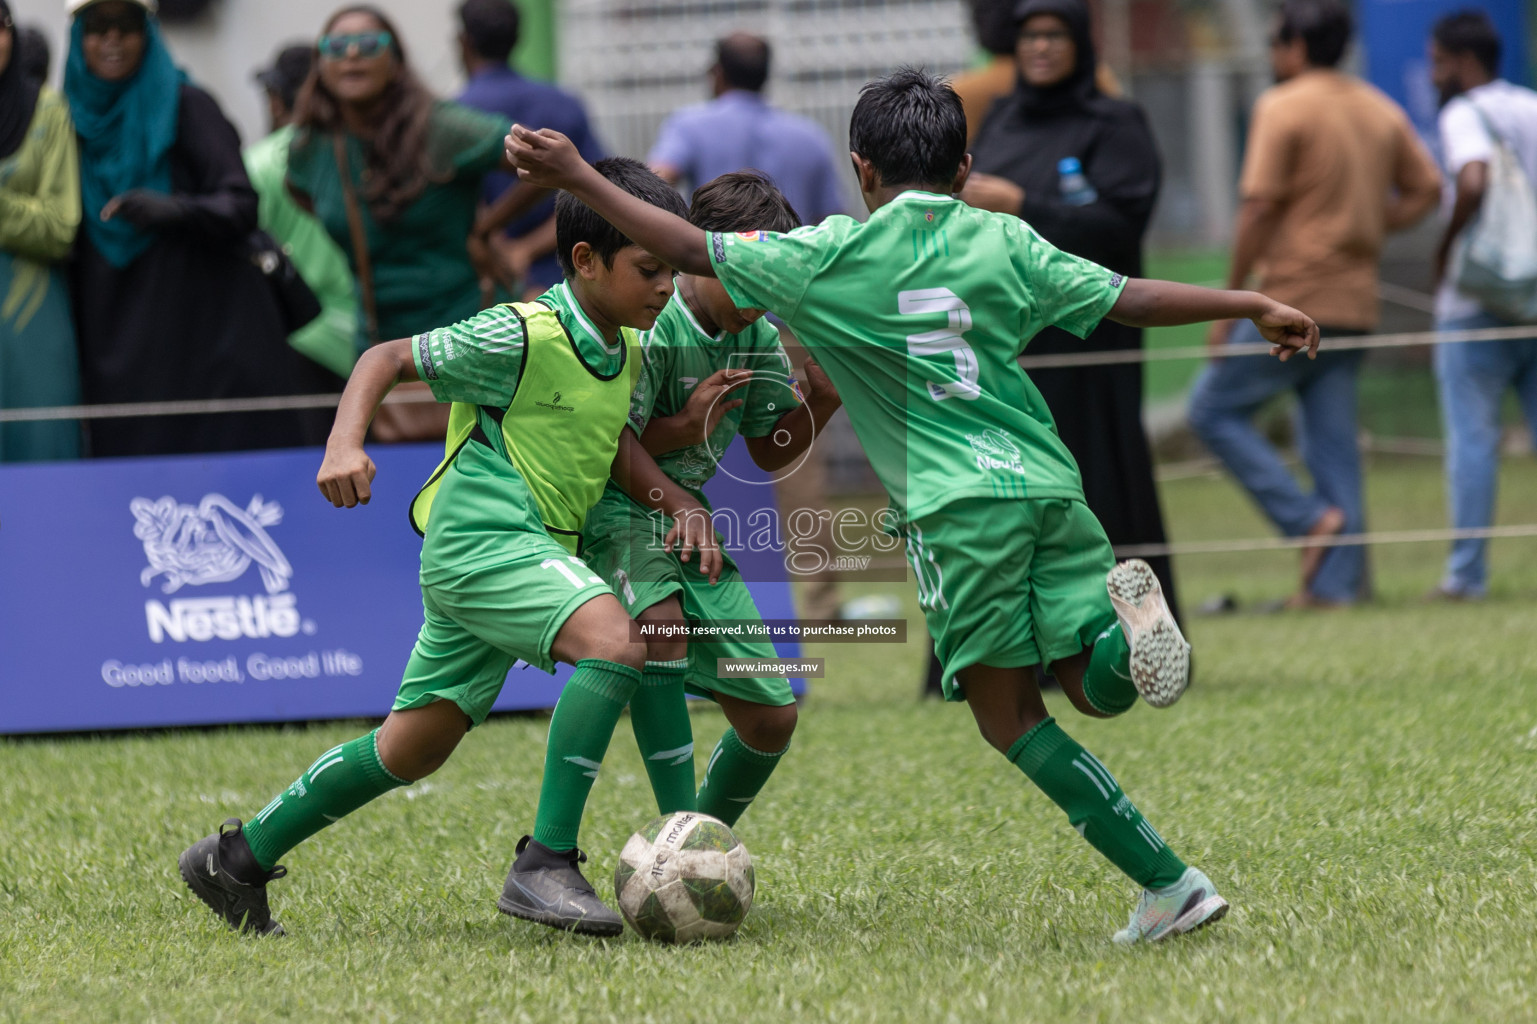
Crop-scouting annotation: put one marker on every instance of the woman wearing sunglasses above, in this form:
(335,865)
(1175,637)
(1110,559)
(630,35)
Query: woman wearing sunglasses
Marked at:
(168,304)
(377,157)
(39,212)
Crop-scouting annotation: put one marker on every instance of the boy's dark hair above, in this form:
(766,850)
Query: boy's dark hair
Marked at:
(910,125)
(993,22)
(32,53)
(742,201)
(1324,26)
(575,222)
(1470,31)
(491,26)
(744,61)
(288,73)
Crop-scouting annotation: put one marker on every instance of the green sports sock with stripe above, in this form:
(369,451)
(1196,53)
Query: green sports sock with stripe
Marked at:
(659,715)
(340,781)
(734,776)
(1095,805)
(583,723)
(1107,681)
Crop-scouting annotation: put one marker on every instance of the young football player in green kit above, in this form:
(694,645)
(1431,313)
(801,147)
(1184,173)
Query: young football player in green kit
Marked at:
(917,315)
(540,393)
(711,371)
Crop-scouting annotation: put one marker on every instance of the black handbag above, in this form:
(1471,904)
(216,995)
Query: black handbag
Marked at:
(295,301)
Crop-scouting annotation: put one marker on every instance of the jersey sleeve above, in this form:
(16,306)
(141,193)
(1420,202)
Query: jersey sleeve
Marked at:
(467,142)
(1267,160)
(769,270)
(771,393)
(478,360)
(1464,138)
(1069,292)
(672,148)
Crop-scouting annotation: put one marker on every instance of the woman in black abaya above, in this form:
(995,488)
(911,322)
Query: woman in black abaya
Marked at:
(1056,112)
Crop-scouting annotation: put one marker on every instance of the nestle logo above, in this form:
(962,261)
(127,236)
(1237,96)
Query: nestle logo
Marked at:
(222,618)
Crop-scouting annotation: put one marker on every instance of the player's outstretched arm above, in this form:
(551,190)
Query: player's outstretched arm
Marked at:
(347,473)
(797,429)
(638,475)
(1150,303)
(548,158)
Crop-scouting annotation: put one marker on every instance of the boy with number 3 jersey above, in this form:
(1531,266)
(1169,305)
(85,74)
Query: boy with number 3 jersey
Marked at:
(917,315)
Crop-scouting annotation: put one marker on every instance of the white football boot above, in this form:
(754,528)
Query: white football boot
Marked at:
(1188,904)
(1160,657)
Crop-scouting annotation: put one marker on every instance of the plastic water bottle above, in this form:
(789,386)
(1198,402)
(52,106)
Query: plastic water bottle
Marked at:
(1071,183)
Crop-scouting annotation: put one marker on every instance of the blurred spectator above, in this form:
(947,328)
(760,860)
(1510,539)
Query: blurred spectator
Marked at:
(327,343)
(1055,113)
(488,33)
(979,88)
(1473,376)
(415,168)
(39,213)
(33,53)
(738,129)
(168,304)
(1332,165)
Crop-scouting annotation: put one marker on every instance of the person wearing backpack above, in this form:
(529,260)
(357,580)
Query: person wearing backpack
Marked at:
(1481,115)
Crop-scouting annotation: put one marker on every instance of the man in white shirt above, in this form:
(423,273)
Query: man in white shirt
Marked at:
(1472,377)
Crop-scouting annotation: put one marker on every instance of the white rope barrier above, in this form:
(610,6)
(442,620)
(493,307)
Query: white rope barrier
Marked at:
(1262,348)
(1071,359)
(1339,540)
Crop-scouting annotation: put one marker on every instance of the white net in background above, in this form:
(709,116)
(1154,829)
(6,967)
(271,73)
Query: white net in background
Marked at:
(635,61)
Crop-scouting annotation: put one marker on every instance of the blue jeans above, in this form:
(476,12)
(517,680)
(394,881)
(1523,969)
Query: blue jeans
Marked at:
(1222,407)
(1471,378)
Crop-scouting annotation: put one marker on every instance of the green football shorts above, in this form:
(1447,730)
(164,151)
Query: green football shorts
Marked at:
(478,624)
(623,550)
(1010,583)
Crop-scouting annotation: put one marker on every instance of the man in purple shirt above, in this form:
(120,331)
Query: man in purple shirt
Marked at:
(488,33)
(737,130)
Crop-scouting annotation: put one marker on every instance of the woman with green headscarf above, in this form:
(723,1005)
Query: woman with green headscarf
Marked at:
(168,305)
(39,212)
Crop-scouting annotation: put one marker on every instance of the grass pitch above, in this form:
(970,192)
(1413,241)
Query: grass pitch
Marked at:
(1359,785)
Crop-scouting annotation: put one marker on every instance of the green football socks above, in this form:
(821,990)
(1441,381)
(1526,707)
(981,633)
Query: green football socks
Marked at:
(659,715)
(583,723)
(340,781)
(1095,805)
(734,776)
(1107,681)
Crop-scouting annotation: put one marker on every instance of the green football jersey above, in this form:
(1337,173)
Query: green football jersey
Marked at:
(918,316)
(678,355)
(480,361)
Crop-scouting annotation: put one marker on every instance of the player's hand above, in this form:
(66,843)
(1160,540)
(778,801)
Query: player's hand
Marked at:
(693,529)
(144,208)
(817,387)
(545,157)
(707,403)
(1289,331)
(990,192)
(346,476)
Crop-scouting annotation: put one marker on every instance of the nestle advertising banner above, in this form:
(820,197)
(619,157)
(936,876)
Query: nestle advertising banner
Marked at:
(208,589)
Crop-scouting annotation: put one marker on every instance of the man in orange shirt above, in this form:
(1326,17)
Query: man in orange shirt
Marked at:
(1332,166)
